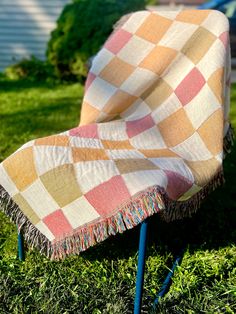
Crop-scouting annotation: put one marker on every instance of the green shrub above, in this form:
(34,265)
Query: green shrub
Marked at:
(31,69)
(151,2)
(82,28)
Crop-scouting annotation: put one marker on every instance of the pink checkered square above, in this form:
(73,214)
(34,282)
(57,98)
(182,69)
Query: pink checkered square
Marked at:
(86,131)
(58,224)
(117,41)
(224,37)
(190,86)
(177,184)
(138,126)
(108,195)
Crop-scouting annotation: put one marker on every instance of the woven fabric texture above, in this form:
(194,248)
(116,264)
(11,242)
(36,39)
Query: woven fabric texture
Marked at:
(153,121)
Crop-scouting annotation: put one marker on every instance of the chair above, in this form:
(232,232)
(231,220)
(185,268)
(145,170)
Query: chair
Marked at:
(154,125)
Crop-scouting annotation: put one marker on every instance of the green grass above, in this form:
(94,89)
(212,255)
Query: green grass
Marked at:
(102,279)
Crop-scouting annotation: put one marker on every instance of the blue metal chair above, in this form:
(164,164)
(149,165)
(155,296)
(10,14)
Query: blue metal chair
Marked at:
(21,250)
(140,271)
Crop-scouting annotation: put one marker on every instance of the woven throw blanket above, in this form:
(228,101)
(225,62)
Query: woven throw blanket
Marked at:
(154,123)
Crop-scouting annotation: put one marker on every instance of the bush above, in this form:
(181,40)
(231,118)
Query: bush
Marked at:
(31,69)
(152,2)
(82,28)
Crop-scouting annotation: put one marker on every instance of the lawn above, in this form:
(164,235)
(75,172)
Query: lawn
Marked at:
(102,279)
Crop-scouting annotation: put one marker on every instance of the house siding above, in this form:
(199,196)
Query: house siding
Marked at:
(25,27)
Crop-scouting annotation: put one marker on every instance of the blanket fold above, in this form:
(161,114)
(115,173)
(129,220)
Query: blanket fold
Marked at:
(154,130)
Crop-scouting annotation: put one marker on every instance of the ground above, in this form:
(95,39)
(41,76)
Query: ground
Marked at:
(102,279)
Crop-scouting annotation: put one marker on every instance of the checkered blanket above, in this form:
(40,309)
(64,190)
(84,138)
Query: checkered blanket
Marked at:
(154,122)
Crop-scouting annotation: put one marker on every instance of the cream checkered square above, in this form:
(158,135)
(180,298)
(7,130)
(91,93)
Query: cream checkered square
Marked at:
(7,182)
(174,164)
(219,157)
(124,154)
(49,157)
(136,111)
(101,60)
(114,131)
(45,230)
(177,35)
(180,67)
(99,93)
(135,21)
(192,149)
(140,180)
(169,14)
(149,139)
(92,173)
(135,50)
(44,204)
(139,81)
(212,62)
(76,141)
(216,21)
(198,110)
(80,212)
(169,106)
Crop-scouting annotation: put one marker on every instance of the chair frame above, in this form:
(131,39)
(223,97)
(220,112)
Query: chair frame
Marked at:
(141,268)
(20,245)
(143,237)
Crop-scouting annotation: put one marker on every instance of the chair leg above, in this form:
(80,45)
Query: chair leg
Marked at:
(141,266)
(166,284)
(21,251)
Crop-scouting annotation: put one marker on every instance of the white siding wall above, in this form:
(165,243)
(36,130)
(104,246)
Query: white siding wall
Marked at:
(25,27)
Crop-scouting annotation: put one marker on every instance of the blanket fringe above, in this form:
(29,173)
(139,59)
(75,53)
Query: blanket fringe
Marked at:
(31,234)
(145,204)
(178,210)
(128,215)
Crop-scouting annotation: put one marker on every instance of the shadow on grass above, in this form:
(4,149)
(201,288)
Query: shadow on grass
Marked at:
(26,118)
(39,118)
(8,85)
(212,227)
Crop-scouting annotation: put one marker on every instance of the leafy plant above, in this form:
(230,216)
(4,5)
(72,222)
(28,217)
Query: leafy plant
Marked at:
(31,69)
(82,28)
